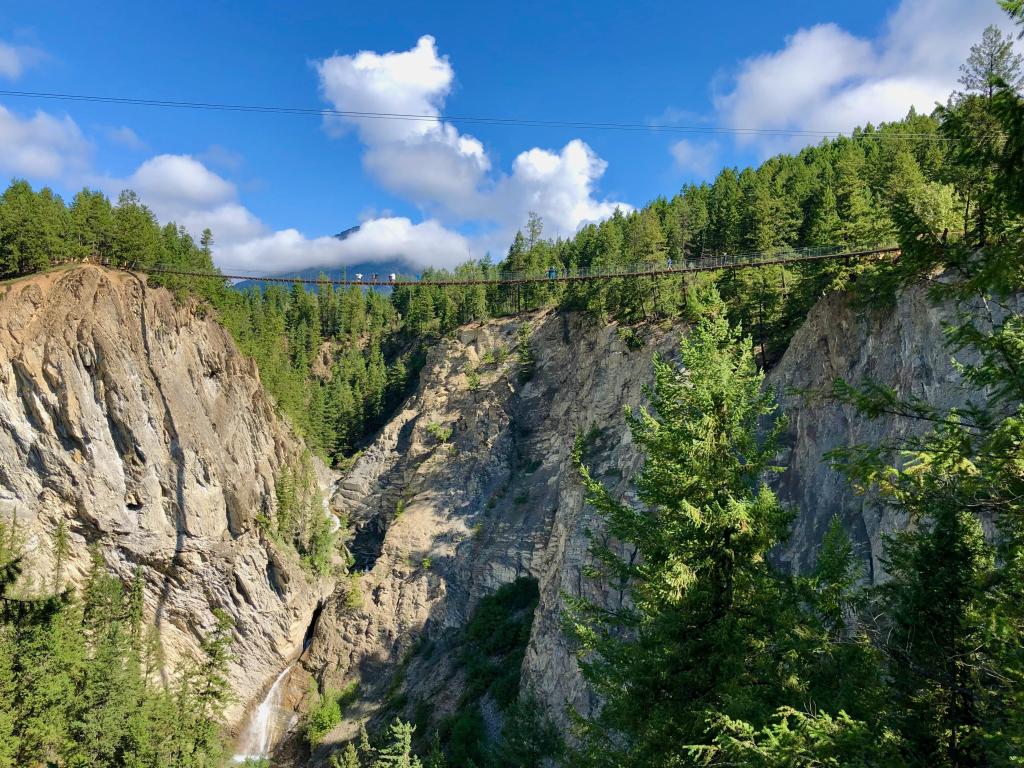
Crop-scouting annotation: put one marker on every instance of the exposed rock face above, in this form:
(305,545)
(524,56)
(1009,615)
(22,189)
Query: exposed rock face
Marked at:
(443,520)
(140,425)
(902,347)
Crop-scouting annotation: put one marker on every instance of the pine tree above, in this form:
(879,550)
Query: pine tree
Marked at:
(349,758)
(691,651)
(27,230)
(135,239)
(436,758)
(824,222)
(953,627)
(8,698)
(91,225)
(367,754)
(991,61)
(725,214)
(397,750)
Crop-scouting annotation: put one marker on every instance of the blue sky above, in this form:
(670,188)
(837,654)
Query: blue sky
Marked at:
(272,186)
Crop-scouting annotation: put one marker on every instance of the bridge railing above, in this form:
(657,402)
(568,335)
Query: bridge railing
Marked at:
(694,263)
(706,262)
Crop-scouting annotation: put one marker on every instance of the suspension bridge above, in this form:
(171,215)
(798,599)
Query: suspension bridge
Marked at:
(668,268)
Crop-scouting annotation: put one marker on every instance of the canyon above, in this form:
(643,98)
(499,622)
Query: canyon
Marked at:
(130,415)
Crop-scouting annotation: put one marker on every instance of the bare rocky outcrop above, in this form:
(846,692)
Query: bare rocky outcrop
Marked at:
(443,518)
(136,422)
(902,346)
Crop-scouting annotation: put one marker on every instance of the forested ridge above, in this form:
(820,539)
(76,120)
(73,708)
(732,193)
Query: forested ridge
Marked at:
(720,659)
(338,361)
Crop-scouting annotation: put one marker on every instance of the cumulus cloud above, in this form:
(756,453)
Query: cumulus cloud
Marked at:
(42,146)
(170,182)
(125,137)
(424,244)
(181,188)
(698,159)
(430,163)
(826,79)
(15,59)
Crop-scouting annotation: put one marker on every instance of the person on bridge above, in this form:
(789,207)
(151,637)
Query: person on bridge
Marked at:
(552,273)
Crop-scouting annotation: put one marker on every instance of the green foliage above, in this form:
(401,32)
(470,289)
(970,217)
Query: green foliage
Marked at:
(439,433)
(489,652)
(354,595)
(301,519)
(524,355)
(690,650)
(77,683)
(495,641)
(393,751)
(949,627)
(798,740)
(528,737)
(326,710)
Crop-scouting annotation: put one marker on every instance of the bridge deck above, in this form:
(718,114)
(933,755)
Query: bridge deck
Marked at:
(689,266)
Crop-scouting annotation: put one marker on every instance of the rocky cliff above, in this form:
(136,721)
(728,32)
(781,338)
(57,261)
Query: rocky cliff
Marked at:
(902,346)
(472,485)
(136,422)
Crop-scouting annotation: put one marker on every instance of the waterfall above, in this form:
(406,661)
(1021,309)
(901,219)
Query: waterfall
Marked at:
(335,522)
(262,730)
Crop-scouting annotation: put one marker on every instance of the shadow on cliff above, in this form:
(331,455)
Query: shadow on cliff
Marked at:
(173,442)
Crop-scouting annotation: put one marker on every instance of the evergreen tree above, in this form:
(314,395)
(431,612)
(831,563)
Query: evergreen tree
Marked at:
(397,750)
(135,239)
(951,627)
(991,61)
(691,651)
(349,758)
(367,754)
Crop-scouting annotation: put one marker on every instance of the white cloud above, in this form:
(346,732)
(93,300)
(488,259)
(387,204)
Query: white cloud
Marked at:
(698,159)
(179,182)
(425,244)
(826,79)
(182,189)
(42,146)
(430,163)
(15,59)
(558,185)
(124,136)
(443,171)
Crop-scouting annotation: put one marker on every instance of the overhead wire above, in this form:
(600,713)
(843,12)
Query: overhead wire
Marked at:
(463,119)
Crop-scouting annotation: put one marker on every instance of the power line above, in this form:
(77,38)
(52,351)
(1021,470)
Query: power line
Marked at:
(464,119)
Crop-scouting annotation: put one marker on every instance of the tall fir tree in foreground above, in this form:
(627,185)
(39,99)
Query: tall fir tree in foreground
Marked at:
(951,626)
(713,640)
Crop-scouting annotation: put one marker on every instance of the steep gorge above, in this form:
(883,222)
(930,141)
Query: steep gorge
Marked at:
(443,522)
(133,419)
